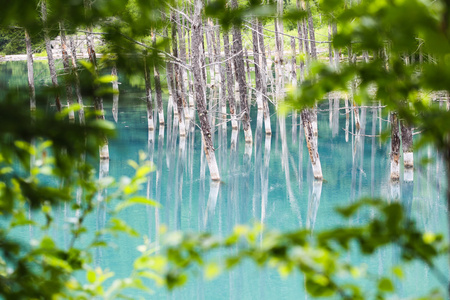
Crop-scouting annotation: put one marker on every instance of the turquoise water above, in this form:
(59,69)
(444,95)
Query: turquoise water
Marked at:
(274,186)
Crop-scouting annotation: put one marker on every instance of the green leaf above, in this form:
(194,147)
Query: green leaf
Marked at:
(137,200)
(385,285)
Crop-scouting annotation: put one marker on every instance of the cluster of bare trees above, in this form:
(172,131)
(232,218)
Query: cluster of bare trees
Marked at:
(208,69)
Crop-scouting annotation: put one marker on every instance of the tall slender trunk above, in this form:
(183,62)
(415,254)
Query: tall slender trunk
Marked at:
(312,36)
(51,60)
(279,57)
(115,86)
(30,70)
(256,58)
(301,36)
(148,96)
(178,84)
(293,72)
(240,74)
(407,147)
(158,87)
(307,120)
(67,71)
(230,81)
(77,81)
(263,72)
(199,94)
(182,70)
(98,101)
(395,148)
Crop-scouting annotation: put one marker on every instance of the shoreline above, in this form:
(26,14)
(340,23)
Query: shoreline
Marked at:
(23,57)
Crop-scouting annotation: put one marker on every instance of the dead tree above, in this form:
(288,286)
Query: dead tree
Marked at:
(51,60)
(67,71)
(30,70)
(240,74)
(395,148)
(199,90)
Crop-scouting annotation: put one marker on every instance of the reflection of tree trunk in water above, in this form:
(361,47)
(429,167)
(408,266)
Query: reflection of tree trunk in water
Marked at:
(285,164)
(265,177)
(355,161)
(115,84)
(150,180)
(199,94)
(30,71)
(258,158)
(361,151)
(347,117)
(158,184)
(407,146)
(101,207)
(313,204)
(239,65)
(307,120)
(51,60)
(336,116)
(395,148)
(77,80)
(372,156)
(65,60)
(179,177)
(211,205)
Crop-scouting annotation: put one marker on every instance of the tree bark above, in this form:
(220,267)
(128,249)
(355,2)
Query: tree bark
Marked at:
(307,120)
(178,81)
(67,71)
(30,70)
(240,74)
(395,148)
(256,58)
(51,60)
(230,82)
(263,71)
(148,96)
(199,90)
(77,81)
(158,88)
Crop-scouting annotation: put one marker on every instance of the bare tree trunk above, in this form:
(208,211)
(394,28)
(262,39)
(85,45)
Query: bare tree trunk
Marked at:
(301,36)
(279,57)
(115,85)
(395,148)
(182,70)
(65,60)
(293,72)
(77,81)
(256,58)
(263,71)
(240,74)
(307,120)
(30,69)
(178,81)
(148,96)
(230,82)
(98,101)
(199,94)
(408,155)
(51,61)
(223,85)
(312,36)
(158,88)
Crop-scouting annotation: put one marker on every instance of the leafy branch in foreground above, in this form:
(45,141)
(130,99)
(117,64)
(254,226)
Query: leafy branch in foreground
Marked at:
(319,256)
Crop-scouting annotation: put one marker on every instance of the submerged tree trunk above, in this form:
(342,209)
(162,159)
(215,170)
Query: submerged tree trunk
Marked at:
(65,60)
(158,87)
(395,148)
(199,90)
(77,81)
(51,61)
(230,82)
(263,69)
(240,74)
(307,120)
(408,155)
(98,101)
(148,96)
(30,70)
